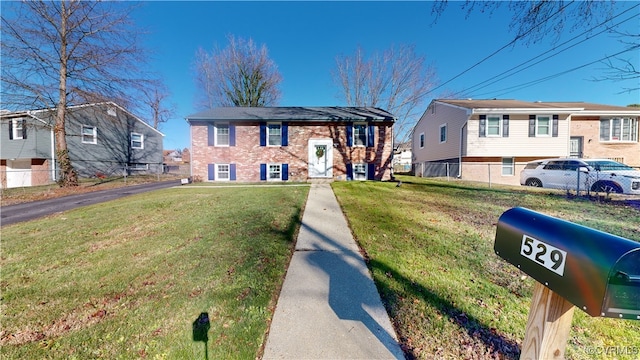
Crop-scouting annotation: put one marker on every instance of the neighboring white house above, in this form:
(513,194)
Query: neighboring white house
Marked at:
(492,140)
(402,158)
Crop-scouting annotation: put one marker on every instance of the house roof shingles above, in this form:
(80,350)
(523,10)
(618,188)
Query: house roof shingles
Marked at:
(292,114)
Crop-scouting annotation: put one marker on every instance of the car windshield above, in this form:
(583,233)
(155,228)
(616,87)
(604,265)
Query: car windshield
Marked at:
(604,165)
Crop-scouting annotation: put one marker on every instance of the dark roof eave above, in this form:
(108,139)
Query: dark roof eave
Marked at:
(297,114)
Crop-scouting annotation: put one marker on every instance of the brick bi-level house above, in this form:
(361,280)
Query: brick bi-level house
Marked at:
(249,144)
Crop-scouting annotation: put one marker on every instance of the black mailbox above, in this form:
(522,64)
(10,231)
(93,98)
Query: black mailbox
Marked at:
(596,271)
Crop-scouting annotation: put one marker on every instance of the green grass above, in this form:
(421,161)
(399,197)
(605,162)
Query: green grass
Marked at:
(126,279)
(430,248)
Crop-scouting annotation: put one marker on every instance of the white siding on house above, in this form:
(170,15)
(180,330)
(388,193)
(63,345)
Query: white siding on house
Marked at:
(518,143)
(430,123)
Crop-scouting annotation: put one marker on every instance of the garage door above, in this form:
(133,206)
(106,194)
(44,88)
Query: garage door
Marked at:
(18,173)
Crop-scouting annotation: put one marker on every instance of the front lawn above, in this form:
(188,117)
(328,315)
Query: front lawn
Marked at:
(128,278)
(430,248)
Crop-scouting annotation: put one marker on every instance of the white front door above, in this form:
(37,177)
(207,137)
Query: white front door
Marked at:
(321,158)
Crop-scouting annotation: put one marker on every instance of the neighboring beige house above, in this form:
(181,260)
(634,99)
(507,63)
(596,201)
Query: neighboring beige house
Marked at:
(492,140)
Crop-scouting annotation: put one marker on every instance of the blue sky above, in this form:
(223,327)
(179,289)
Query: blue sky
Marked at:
(304,39)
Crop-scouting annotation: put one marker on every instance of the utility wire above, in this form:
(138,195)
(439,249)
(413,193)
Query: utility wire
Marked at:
(549,77)
(500,76)
(518,37)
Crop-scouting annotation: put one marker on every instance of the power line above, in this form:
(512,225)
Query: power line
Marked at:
(549,77)
(500,76)
(518,37)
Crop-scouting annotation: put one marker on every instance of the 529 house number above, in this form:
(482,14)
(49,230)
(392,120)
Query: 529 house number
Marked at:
(544,254)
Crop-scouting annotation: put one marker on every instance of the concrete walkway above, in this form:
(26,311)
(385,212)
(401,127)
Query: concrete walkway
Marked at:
(329,307)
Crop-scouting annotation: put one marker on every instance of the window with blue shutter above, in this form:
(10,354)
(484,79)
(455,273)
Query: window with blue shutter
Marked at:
(349,134)
(482,132)
(263,135)
(371,130)
(285,133)
(285,172)
(349,171)
(232,135)
(211,135)
(554,126)
(371,171)
(211,170)
(263,171)
(232,171)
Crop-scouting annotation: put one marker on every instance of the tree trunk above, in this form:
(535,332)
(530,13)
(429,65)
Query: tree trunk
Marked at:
(68,175)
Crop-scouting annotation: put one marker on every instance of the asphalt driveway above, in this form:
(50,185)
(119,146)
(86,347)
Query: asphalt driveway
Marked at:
(32,210)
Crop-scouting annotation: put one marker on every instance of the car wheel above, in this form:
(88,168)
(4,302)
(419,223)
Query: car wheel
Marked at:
(534,182)
(606,187)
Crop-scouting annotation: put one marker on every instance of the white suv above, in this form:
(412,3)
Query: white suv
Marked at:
(597,175)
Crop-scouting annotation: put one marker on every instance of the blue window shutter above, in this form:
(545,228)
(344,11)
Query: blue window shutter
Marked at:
(212,171)
(211,135)
(349,171)
(371,171)
(285,133)
(285,171)
(232,171)
(349,134)
(371,129)
(482,132)
(554,129)
(263,171)
(505,125)
(263,134)
(532,125)
(232,135)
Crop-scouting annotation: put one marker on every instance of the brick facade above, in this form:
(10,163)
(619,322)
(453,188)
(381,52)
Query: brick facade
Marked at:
(247,154)
(589,129)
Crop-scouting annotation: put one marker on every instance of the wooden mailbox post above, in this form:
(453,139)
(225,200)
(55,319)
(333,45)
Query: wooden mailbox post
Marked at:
(574,265)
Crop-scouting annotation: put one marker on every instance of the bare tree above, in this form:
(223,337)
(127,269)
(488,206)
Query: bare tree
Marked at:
(155,99)
(395,80)
(58,54)
(239,75)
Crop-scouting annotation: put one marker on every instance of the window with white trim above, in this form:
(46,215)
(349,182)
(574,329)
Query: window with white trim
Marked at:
(360,171)
(274,134)
(443,133)
(223,172)
(508,166)
(222,134)
(17,129)
(360,134)
(137,141)
(543,125)
(494,125)
(89,134)
(619,129)
(421,140)
(274,172)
